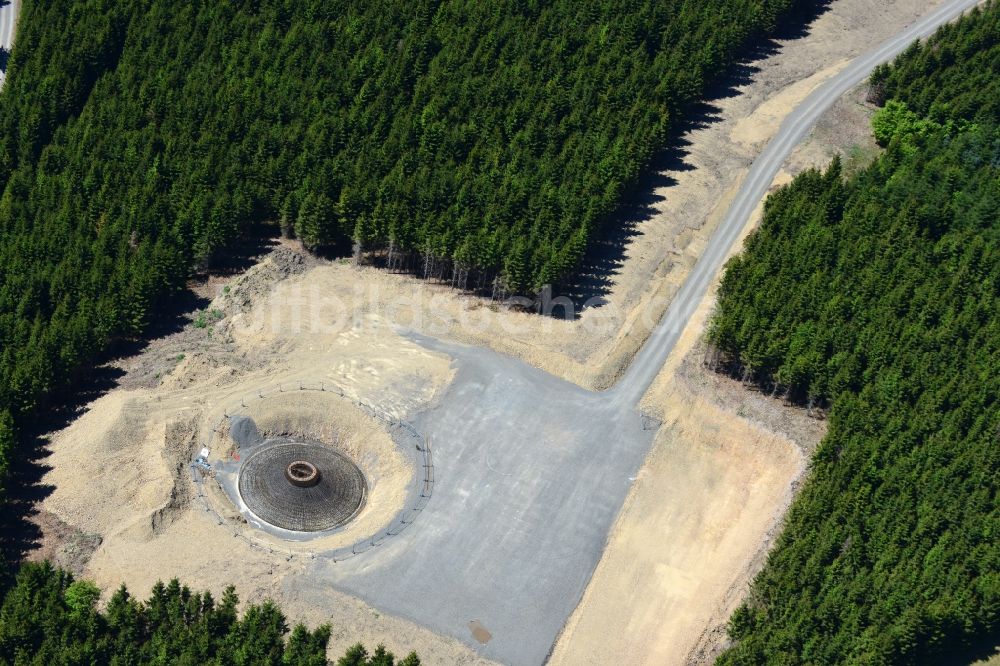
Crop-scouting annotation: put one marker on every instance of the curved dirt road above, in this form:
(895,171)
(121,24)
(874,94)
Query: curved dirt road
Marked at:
(531,470)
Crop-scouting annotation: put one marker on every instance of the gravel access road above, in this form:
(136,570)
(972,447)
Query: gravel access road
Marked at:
(531,471)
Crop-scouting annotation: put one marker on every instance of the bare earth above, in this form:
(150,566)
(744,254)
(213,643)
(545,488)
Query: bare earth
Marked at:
(701,513)
(709,501)
(681,214)
(120,471)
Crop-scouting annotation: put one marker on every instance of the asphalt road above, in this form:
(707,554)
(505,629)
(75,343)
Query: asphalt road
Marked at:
(531,470)
(9,11)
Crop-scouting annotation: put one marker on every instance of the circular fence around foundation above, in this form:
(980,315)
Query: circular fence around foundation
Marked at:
(422,491)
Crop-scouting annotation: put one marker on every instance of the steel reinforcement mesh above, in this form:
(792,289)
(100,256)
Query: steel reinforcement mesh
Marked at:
(333,501)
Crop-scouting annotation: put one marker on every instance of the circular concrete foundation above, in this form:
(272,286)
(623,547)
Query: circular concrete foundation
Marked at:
(302,473)
(301,486)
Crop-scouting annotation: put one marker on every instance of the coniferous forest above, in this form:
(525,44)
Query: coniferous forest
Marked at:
(49,618)
(486,144)
(878,296)
(483,143)
(480,143)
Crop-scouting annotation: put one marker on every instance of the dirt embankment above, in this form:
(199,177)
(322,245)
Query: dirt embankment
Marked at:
(710,499)
(669,225)
(123,507)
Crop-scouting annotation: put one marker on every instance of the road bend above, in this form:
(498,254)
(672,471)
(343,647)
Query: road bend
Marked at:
(650,359)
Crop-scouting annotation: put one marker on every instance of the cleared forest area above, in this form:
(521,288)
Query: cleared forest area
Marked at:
(138,141)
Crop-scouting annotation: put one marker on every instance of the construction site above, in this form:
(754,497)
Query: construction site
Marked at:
(429,470)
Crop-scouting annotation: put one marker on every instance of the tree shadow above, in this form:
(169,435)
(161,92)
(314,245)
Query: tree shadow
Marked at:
(606,254)
(337,249)
(977,651)
(243,252)
(19,531)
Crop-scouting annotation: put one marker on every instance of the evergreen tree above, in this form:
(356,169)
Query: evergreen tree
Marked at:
(479,143)
(47,617)
(878,297)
